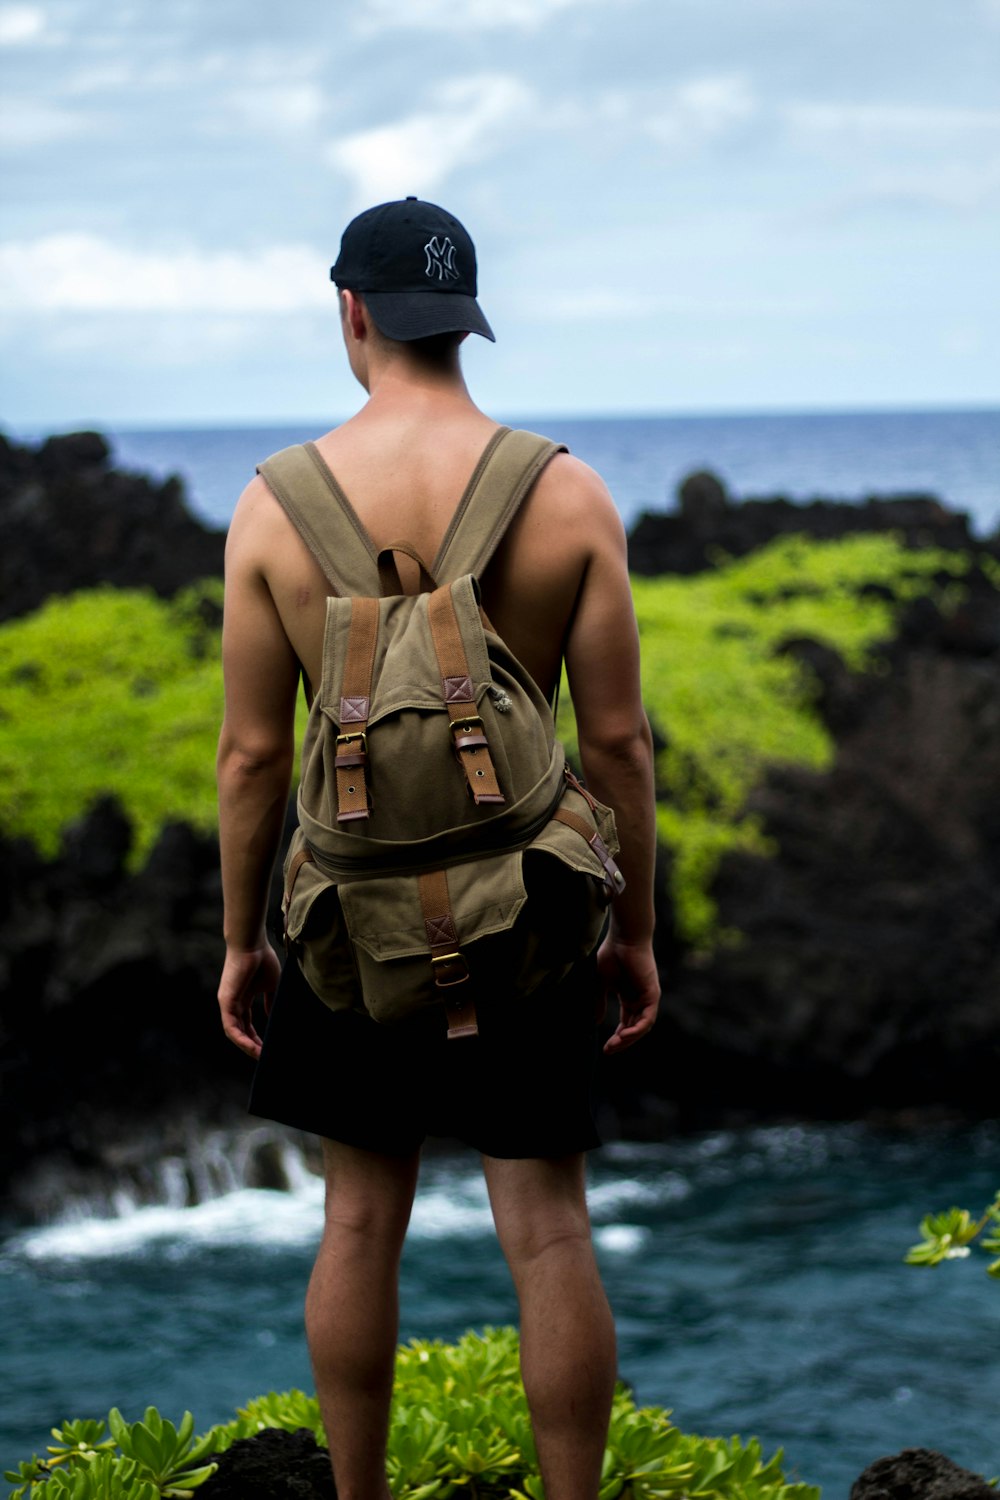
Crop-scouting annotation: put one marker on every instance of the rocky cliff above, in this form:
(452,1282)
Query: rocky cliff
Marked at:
(861,968)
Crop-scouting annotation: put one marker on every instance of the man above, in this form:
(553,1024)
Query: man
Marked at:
(556,588)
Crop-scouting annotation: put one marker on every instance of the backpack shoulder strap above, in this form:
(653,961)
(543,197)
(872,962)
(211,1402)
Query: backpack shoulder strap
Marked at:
(509,466)
(324,517)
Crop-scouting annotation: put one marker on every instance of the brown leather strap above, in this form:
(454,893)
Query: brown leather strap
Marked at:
(388,573)
(449,966)
(468,734)
(614,880)
(302,857)
(353,800)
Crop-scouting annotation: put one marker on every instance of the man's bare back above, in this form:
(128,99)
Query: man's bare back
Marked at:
(404,478)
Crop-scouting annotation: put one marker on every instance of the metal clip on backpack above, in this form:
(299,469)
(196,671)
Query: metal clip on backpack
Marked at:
(444,849)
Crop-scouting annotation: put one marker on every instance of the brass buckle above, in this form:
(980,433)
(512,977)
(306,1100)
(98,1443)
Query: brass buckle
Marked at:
(440,980)
(466,725)
(359,734)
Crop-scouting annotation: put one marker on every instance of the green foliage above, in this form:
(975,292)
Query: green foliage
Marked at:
(459,1427)
(729,704)
(110,690)
(118,691)
(726,700)
(288,1410)
(143,1460)
(948,1236)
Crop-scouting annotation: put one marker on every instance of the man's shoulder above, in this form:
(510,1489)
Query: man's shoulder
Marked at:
(571,488)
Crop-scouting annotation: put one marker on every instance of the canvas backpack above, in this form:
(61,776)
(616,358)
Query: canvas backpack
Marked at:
(444,849)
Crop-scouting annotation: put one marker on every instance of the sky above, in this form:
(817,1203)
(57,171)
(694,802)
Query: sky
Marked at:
(678,205)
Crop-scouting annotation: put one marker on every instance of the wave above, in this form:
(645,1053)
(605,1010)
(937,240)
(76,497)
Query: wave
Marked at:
(203,1201)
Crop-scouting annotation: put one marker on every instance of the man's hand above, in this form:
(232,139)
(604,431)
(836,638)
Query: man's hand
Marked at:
(246,974)
(629,974)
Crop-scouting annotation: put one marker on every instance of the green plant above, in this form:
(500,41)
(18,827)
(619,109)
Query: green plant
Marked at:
(143,1460)
(459,1427)
(288,1410)
(948,1236)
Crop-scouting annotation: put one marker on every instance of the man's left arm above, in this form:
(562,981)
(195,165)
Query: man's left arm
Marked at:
(254,767)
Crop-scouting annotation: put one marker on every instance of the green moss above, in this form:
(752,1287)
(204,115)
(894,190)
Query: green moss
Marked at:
(728,705)
(110,690)
(118,691)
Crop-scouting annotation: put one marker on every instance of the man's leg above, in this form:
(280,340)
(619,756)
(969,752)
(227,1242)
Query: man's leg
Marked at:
(568,1357)
(352,1309)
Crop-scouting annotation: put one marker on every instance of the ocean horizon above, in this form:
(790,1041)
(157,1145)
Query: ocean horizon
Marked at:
(950,453)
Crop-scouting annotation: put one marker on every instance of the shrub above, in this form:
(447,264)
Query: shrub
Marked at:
(948,1236)
(459,1427)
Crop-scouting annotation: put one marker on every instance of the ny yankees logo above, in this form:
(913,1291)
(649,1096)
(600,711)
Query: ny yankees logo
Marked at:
(441,259)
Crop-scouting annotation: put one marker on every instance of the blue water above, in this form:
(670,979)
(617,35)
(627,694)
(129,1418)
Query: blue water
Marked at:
(841,455)
(755,1278)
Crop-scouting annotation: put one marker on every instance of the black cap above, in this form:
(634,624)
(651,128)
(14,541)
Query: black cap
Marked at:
(415,266)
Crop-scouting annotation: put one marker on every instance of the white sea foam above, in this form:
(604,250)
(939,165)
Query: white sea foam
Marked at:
(607,1199)
(251,1216)
(451,1203)
(452,1209)
(620,1239)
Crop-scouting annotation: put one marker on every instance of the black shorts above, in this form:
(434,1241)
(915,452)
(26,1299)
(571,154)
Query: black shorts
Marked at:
(521,1088)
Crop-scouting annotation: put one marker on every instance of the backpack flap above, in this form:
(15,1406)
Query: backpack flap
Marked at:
(518,920)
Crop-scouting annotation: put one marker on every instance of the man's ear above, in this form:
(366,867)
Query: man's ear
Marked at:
(355,314)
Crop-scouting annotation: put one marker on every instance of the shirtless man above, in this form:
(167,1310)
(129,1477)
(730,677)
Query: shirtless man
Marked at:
(556,588)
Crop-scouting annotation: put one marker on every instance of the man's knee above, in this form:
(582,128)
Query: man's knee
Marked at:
(538,1240)
(539,1206)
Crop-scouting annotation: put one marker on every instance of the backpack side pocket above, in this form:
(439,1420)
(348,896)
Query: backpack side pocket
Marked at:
(315,930)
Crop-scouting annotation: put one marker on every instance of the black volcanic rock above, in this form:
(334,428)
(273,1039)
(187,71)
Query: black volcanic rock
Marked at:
(867,966)
(919,1474)
(272,1465)
(69,521)
(708,523)
(109,1027)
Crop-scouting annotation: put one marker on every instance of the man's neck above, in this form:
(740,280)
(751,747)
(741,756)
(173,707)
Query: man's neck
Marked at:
(401,385)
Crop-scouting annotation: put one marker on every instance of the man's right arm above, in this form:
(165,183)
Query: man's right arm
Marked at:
(616,753)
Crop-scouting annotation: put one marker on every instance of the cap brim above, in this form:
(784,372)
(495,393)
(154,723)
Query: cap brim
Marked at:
(419,315)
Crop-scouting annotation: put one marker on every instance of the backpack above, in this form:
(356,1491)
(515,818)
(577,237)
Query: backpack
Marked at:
(444,850)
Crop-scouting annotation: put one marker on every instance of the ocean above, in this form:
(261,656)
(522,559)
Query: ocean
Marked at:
(755,1275)
(954,455)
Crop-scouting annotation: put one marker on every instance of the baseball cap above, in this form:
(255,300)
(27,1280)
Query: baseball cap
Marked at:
(415,266)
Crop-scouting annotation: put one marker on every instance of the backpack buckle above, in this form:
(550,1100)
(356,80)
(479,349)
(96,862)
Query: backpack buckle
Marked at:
(468,731)
(455,970)
(359,735)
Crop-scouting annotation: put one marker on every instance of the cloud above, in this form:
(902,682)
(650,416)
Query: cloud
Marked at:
(28,122)
(83,273)
(465,123)
(278,109)
(596,303)
(703,109)
(465,15)
(890,119)
(20,23)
